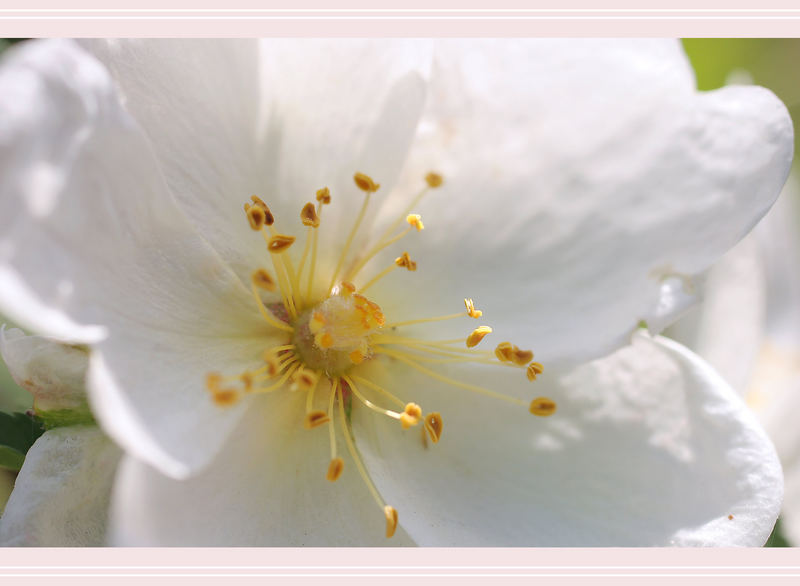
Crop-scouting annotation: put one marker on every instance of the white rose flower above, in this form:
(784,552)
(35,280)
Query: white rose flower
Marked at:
(240,362)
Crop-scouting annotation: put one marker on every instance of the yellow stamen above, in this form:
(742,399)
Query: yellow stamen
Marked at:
(262,280)
(433,180)
(365,183)
(213,381)
(225,397)
(381,410)
(279,243)
(405,261)
(331,430)
(315,419)
(266,314)
(335,469)
(413,203)
(256,216)
(391,520)
(471,311)
(269,219)
(415,220)
(410,415)
(375,387)
(434,425)
(324,196)
(521,357)
(304,380)
(534,369)
(542,406)
(379,276)
(308,215)
(477,335)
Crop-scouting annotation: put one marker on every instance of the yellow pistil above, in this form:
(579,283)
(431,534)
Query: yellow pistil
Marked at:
(542,406)
(477,335)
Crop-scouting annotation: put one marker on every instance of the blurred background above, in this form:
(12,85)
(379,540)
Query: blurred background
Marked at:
(748,326)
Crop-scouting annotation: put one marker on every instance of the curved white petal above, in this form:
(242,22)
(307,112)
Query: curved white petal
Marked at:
(267,487)
(94,247)
(53,373)
(647,447)
(579,177)
(62,493)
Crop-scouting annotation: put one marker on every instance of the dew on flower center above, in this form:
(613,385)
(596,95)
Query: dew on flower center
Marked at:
(328,340)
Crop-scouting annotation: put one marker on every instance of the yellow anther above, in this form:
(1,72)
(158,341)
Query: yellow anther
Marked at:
(410,415)
(521,357)
(433,425)
(534,369)
(416,221)
(256,216)
(477,335)
(269,219)
(365,183)
(324,195)
(262,280)
(247,380)
(213,381)
(335,469)
(308,215)
(504,351)
(346,289)
(279,243)
(356,356)
(471,311)
(543,407)
(315,419)
(405,261)
(433,179)
(391,520)
(303,379)
(272,361)
(225,397)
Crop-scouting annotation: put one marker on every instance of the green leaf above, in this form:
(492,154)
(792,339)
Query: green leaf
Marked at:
(18,431)
(777,539)
(65,417)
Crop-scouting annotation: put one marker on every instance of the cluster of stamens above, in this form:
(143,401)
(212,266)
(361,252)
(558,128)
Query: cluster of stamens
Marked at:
(329,336)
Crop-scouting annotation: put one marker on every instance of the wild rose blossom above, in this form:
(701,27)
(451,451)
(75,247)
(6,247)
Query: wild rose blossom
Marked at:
(572,189)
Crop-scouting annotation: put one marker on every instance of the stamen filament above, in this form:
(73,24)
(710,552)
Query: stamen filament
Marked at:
(310,396)
(489,393)
(312,267)
(265,313)
(302,265)
(292,366)
(347,244)
(405,213)
(283,283)
(368,403)
(378,277)
(375,387)
(426,320)
(375,250)
(331,430)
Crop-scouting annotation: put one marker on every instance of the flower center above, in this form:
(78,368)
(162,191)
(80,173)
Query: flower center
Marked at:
(327,341)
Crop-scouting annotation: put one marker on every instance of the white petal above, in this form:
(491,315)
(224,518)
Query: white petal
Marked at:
(580,175)
(647,447)
(267,487)
(197,101)
(94,247)
(62,493)
(53,373)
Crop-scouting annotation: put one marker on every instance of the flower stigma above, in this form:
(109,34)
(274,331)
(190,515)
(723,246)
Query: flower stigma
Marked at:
(329,338)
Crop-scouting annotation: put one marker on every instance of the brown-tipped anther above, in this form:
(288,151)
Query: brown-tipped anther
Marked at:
(225,397)
(471,311)
(335,469)
(542,407)
(434,425)
(303,379)
(256,217)
(477,335)
(416,221)
(269,219)
(534,369)
(433,180)
(504,351)
(405,261)
(391,520)
(247,380)
(272,362)
(213,381)
(346,289)
(308,215)
(262,280)
(521,357)
(324,196)
(279,243)
(365,183)
(410,415)
(315,419)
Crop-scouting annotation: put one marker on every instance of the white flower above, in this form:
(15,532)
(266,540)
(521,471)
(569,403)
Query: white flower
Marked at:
(586,183)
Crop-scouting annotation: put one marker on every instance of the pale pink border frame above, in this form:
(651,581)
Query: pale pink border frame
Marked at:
(417,18)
